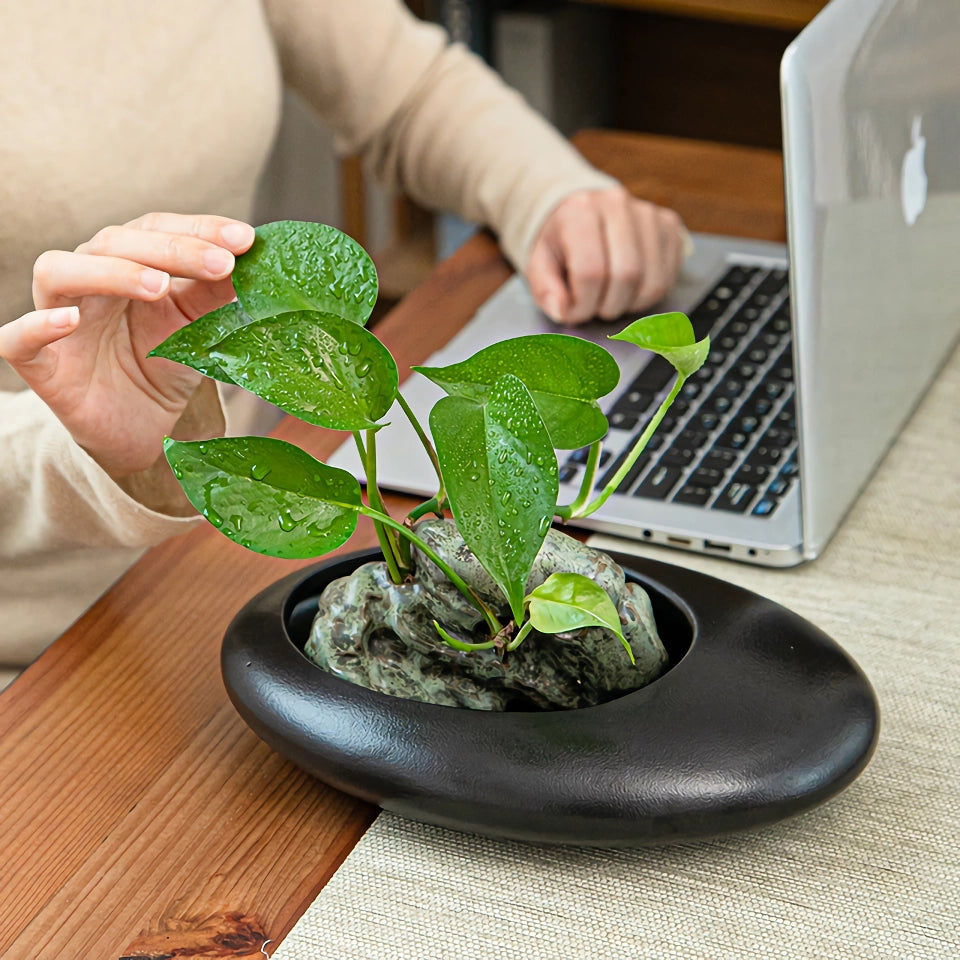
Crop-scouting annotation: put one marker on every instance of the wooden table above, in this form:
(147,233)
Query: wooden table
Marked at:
(139,817)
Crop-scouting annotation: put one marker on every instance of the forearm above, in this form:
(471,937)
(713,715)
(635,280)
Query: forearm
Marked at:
(469,143)
(430,117)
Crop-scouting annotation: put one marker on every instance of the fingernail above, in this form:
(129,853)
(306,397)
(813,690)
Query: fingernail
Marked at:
(153,281)
(236,235)
(218,262)
(63,317)
(551,306)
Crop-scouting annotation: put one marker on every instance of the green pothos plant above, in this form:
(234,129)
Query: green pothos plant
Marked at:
(295,336)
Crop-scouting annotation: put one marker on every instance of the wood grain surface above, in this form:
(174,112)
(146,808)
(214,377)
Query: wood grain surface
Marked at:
(139,816)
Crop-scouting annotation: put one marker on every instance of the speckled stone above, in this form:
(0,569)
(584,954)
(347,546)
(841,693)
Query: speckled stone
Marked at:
(380,635)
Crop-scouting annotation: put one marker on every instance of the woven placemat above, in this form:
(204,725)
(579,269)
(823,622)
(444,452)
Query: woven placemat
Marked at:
(874,873)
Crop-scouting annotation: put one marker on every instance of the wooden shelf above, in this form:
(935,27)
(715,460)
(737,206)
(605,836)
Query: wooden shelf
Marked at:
(783,14)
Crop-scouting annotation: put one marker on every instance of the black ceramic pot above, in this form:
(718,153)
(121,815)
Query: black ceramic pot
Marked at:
(760,716)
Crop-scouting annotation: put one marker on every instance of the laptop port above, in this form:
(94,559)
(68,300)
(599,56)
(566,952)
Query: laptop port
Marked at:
(722,547)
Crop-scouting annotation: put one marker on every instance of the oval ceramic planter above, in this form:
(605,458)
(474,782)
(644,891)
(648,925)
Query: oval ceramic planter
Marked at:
(761,716)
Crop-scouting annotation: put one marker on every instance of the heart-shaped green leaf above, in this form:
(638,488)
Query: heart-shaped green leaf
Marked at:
(267,495)
(191,344)
(320,368)
(500,473)
(569,601)
(294,265)
(565,375)
(671,336)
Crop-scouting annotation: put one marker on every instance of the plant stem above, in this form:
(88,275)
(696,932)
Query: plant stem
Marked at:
(434,505)
(586,485)
(644,438)
(458,581)
(521,635)
(424,439)
(386,538)
(458,644)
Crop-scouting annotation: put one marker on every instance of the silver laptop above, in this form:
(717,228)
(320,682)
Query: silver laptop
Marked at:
(815,368)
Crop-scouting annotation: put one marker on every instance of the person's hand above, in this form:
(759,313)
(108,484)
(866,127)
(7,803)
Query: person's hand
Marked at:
(604,253)
(101,309)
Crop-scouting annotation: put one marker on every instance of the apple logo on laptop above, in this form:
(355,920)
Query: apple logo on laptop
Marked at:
(913,176)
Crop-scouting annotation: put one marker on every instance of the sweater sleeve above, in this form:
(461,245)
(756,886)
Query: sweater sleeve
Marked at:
(429,116)
(53,496)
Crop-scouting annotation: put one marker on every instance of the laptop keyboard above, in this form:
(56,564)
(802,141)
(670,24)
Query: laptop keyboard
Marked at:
(729,440)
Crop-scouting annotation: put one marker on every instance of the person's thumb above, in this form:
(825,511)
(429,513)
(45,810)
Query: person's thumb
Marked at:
(22,340)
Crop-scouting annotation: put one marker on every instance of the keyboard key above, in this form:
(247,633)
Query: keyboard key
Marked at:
(718,403)
(632,475)
(634,399)
(719,459)
(778,487)
(678,456)
(765,506)
(659,483)
(704,421)
(580,456)
(692,438)
(790,469)
(690,493)
(709,477)
(780,437)
(731,387)
(752,473)
(733,439)
(773,388)
(773,283)
(654,376)
(757,405)
(763,453)
(736,497)
(624,419)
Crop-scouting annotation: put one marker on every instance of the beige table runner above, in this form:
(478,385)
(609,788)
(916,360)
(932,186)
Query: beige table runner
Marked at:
(873,873)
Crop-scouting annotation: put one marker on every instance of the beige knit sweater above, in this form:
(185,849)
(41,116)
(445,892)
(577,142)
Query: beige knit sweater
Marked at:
(115,108)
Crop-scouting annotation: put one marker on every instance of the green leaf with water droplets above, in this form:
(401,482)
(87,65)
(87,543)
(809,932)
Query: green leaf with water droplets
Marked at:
(500,474)
(321,368)
(671,336)
(191,345)
(565,375)
(295,265)
(570,601)
(267,495)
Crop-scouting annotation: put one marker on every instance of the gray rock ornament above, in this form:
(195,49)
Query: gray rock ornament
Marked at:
(379,634)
